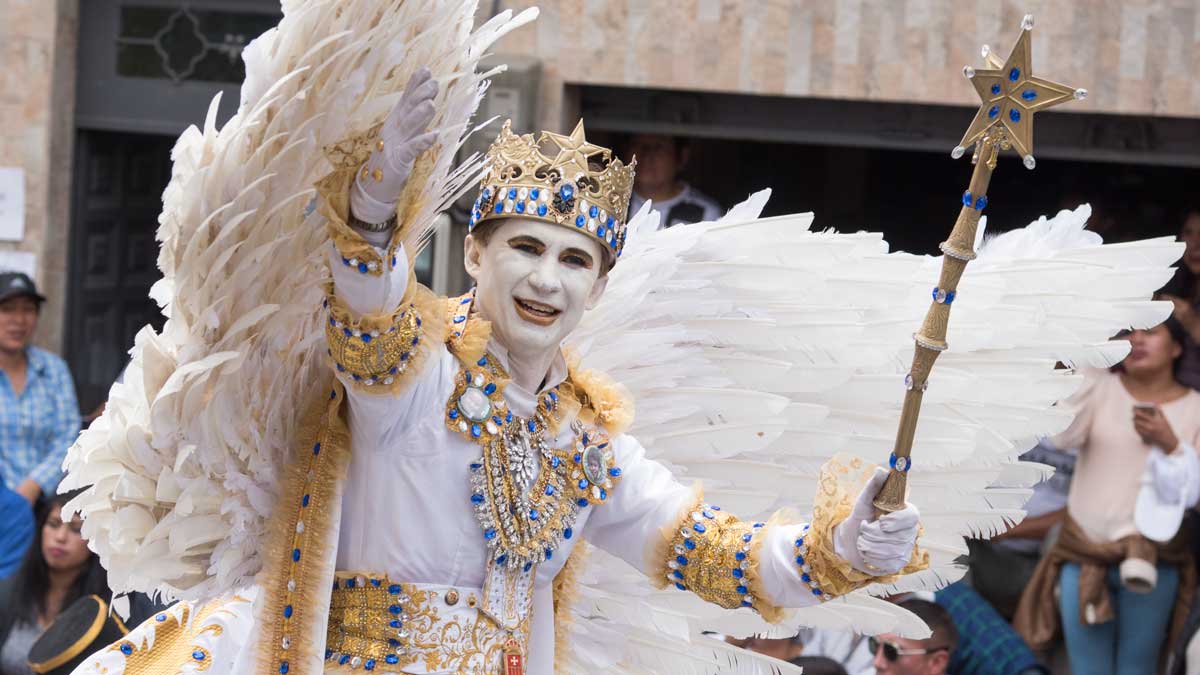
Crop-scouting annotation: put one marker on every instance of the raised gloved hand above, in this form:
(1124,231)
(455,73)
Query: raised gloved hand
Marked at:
(876,547)
(403,137)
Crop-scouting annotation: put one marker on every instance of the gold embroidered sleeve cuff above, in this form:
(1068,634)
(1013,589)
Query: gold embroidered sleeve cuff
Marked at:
(715,555)
(374,351)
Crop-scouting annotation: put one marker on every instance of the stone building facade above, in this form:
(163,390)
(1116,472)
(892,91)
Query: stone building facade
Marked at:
(1139,57)
(37,127)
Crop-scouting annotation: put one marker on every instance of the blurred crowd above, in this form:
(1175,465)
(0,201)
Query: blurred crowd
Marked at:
(1099,578)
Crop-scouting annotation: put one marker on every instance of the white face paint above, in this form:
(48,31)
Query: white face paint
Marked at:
(533,282)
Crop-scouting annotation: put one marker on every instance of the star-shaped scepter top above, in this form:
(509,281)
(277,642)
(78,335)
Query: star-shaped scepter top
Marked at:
(573,152)
(1011,95)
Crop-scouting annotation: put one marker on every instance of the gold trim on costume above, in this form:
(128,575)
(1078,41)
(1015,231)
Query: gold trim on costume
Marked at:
(379,625)
(298,562)
(376,351)
(710,553)
(174,640)
(77,647)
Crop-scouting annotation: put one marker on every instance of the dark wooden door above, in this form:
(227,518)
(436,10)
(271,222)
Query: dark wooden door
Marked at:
(119,181)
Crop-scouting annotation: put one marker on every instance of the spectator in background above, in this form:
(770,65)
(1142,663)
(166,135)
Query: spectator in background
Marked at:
(1184,291)
(895,655)
(1001,567)
(987,644)
(1121,593)
(58,570)
(660,161)
(39,417)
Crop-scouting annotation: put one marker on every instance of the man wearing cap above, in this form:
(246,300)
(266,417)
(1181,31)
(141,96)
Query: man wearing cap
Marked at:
(39,416)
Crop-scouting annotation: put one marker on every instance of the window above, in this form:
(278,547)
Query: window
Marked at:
(183,44)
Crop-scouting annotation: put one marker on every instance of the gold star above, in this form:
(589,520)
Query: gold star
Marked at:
(1011,95)
(573,152)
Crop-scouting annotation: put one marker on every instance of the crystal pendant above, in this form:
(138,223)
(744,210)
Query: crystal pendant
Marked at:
(475,404)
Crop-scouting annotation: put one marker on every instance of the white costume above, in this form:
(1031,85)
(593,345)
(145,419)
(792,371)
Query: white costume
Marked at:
(424,514)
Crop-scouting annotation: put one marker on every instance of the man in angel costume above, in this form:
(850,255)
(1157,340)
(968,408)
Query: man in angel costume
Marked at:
(339,471)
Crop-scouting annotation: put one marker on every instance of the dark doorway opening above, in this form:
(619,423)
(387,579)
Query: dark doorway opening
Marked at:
(119,181)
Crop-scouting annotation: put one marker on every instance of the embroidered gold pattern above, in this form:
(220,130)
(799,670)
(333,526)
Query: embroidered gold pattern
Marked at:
(378,625)
(710,555)
(298,563)
(374,350)
(173,645)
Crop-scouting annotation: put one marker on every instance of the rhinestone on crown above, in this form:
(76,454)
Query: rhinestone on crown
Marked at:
(582,186)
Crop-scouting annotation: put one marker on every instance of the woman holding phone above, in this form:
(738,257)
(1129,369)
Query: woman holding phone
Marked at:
(1123,589)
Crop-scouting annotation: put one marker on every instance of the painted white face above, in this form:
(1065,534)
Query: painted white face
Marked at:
(533,282)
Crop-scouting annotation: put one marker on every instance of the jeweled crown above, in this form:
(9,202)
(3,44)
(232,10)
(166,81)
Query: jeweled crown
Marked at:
(583,186)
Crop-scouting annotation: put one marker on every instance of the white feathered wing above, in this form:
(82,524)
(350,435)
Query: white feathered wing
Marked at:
(183,466)
(756,349)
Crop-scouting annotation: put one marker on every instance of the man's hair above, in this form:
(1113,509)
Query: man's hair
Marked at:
(938,619)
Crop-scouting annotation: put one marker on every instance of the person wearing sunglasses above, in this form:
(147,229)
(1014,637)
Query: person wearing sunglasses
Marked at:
(895,655)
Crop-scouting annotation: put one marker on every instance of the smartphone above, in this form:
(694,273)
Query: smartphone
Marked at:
(1150,407)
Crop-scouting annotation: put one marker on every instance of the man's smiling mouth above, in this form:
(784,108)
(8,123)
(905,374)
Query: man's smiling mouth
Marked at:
(536,312)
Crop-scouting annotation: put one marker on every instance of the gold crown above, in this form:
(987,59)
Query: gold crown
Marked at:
(520,181)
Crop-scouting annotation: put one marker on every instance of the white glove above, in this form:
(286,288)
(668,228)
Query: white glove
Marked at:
(876,547)
(405,136)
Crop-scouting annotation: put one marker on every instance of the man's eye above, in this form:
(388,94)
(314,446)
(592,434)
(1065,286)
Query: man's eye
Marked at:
(576,261)
(527,248)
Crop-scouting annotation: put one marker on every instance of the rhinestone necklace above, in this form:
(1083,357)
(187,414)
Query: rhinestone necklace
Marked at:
(526,494)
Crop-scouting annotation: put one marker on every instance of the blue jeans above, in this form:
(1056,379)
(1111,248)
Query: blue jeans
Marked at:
(17,532)
(1128,645)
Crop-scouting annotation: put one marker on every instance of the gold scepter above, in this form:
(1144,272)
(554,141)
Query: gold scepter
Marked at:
(1010,95)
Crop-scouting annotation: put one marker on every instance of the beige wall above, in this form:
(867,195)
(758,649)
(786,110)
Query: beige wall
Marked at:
(37,93)
(1134,56)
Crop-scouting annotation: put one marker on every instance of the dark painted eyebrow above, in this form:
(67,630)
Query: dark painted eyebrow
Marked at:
(579,252)
(525,239)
